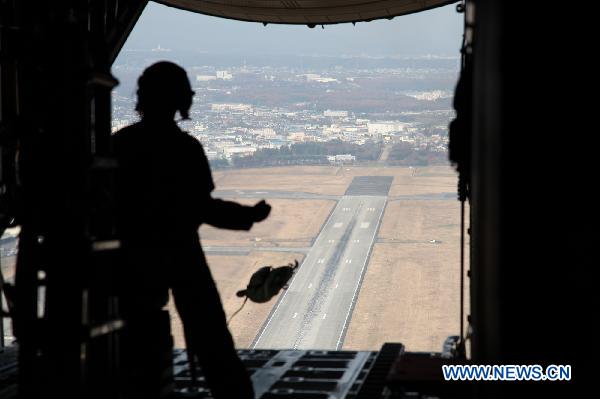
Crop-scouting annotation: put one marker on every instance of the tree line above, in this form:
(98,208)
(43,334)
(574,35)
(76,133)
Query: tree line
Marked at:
(405,154)
(311,153)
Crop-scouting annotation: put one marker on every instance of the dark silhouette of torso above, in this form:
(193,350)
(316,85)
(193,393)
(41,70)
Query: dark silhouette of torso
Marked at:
(166,187)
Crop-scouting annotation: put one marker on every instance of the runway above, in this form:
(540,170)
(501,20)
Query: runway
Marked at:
(314,312)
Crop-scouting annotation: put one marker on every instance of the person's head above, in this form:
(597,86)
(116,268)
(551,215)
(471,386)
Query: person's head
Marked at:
(164,89)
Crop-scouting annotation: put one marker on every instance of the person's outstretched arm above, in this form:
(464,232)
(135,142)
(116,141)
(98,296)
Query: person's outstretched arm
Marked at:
(231,215)
(217,212)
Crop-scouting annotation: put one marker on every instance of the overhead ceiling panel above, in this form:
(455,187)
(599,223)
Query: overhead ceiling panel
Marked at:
(308,12)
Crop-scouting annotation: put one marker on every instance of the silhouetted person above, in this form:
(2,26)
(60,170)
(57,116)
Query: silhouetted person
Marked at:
(164,194)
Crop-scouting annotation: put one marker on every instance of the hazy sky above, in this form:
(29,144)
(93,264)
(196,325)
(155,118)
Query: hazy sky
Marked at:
(437,31)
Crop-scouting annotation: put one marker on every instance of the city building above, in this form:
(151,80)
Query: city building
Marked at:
(341,158)
(335,114)
(205,78)
(224,75)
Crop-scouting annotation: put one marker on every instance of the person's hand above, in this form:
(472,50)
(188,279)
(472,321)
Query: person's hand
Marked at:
(261,211)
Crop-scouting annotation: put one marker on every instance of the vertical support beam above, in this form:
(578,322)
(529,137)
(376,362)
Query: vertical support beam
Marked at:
(487,187)
(534,158)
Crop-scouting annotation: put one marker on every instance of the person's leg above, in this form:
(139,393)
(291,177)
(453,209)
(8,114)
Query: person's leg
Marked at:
(199,306)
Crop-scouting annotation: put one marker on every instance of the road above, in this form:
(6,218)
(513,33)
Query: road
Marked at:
(222,250)
(272,194)
(315,310)
(228,194)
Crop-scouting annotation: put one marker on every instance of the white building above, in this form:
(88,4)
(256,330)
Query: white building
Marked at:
(266,132)
(326,80)
(205,78)
(377,128)
(430,95)
(212,155)
(243,151)
(341,158)
(231,107)
(224,75)
(313,77)
(335,114)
